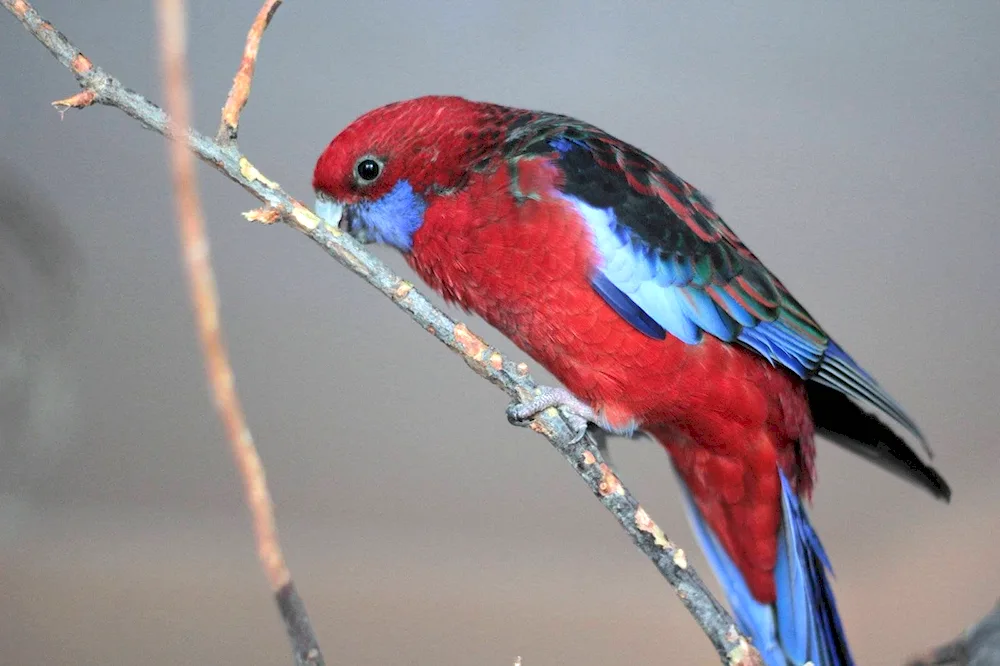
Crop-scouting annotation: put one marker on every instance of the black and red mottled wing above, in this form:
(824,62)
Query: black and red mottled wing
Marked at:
(671,266)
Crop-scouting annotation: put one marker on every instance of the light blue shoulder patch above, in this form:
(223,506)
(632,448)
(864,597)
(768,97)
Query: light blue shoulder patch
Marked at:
(659,294)
(645,288)
(659,287)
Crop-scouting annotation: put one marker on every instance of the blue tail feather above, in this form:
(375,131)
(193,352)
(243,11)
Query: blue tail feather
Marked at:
(803,624)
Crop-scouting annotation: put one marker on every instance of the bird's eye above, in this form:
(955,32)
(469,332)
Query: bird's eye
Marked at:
(368,170)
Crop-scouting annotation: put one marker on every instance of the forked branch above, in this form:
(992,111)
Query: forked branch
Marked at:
(98,87)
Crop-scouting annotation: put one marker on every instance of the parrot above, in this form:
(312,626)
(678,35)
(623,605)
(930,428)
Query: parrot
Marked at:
(620,279)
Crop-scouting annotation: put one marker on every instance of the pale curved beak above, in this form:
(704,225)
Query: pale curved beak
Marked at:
(329,210)
(338,215)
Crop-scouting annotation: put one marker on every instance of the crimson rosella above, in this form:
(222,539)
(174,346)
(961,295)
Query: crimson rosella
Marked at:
(620,278)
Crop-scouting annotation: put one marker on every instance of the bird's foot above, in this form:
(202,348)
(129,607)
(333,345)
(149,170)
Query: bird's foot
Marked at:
(576,412)
(599,437)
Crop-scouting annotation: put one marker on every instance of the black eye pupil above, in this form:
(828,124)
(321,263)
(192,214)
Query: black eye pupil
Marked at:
(368,170)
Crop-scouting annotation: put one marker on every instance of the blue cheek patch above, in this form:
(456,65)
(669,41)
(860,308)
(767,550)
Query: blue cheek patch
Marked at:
(394,218)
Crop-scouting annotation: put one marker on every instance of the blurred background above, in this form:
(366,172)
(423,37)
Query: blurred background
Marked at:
(853,146)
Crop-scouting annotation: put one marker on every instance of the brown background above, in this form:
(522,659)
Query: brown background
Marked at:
(854,147)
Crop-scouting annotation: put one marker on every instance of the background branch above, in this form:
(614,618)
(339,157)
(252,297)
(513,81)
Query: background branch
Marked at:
(205,299)
(101,88)
(977,646)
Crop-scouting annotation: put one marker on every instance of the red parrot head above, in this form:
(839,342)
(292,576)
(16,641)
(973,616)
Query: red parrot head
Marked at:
(377,177)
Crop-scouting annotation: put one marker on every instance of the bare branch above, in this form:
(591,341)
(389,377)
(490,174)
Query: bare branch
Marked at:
(230,126)
(205,299)
(513,378)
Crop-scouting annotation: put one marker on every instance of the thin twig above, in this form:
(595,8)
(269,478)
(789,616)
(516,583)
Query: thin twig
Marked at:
(229,127)
(204,297)
(732,647)
(81,100)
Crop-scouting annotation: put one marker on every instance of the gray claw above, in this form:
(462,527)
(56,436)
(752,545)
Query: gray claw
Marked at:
(517,413)
(600,439)
(577,424)
(577,413)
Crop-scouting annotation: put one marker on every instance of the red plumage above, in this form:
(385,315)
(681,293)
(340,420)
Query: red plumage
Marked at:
(727,416)
(496,239)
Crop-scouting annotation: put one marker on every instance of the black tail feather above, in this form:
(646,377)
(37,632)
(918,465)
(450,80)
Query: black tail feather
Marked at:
(846,424)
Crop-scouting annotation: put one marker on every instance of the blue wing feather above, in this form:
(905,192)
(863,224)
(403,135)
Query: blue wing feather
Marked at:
(839,371)
(663,306)
(769,341)
(700,308)
(626,307)
(732,307)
